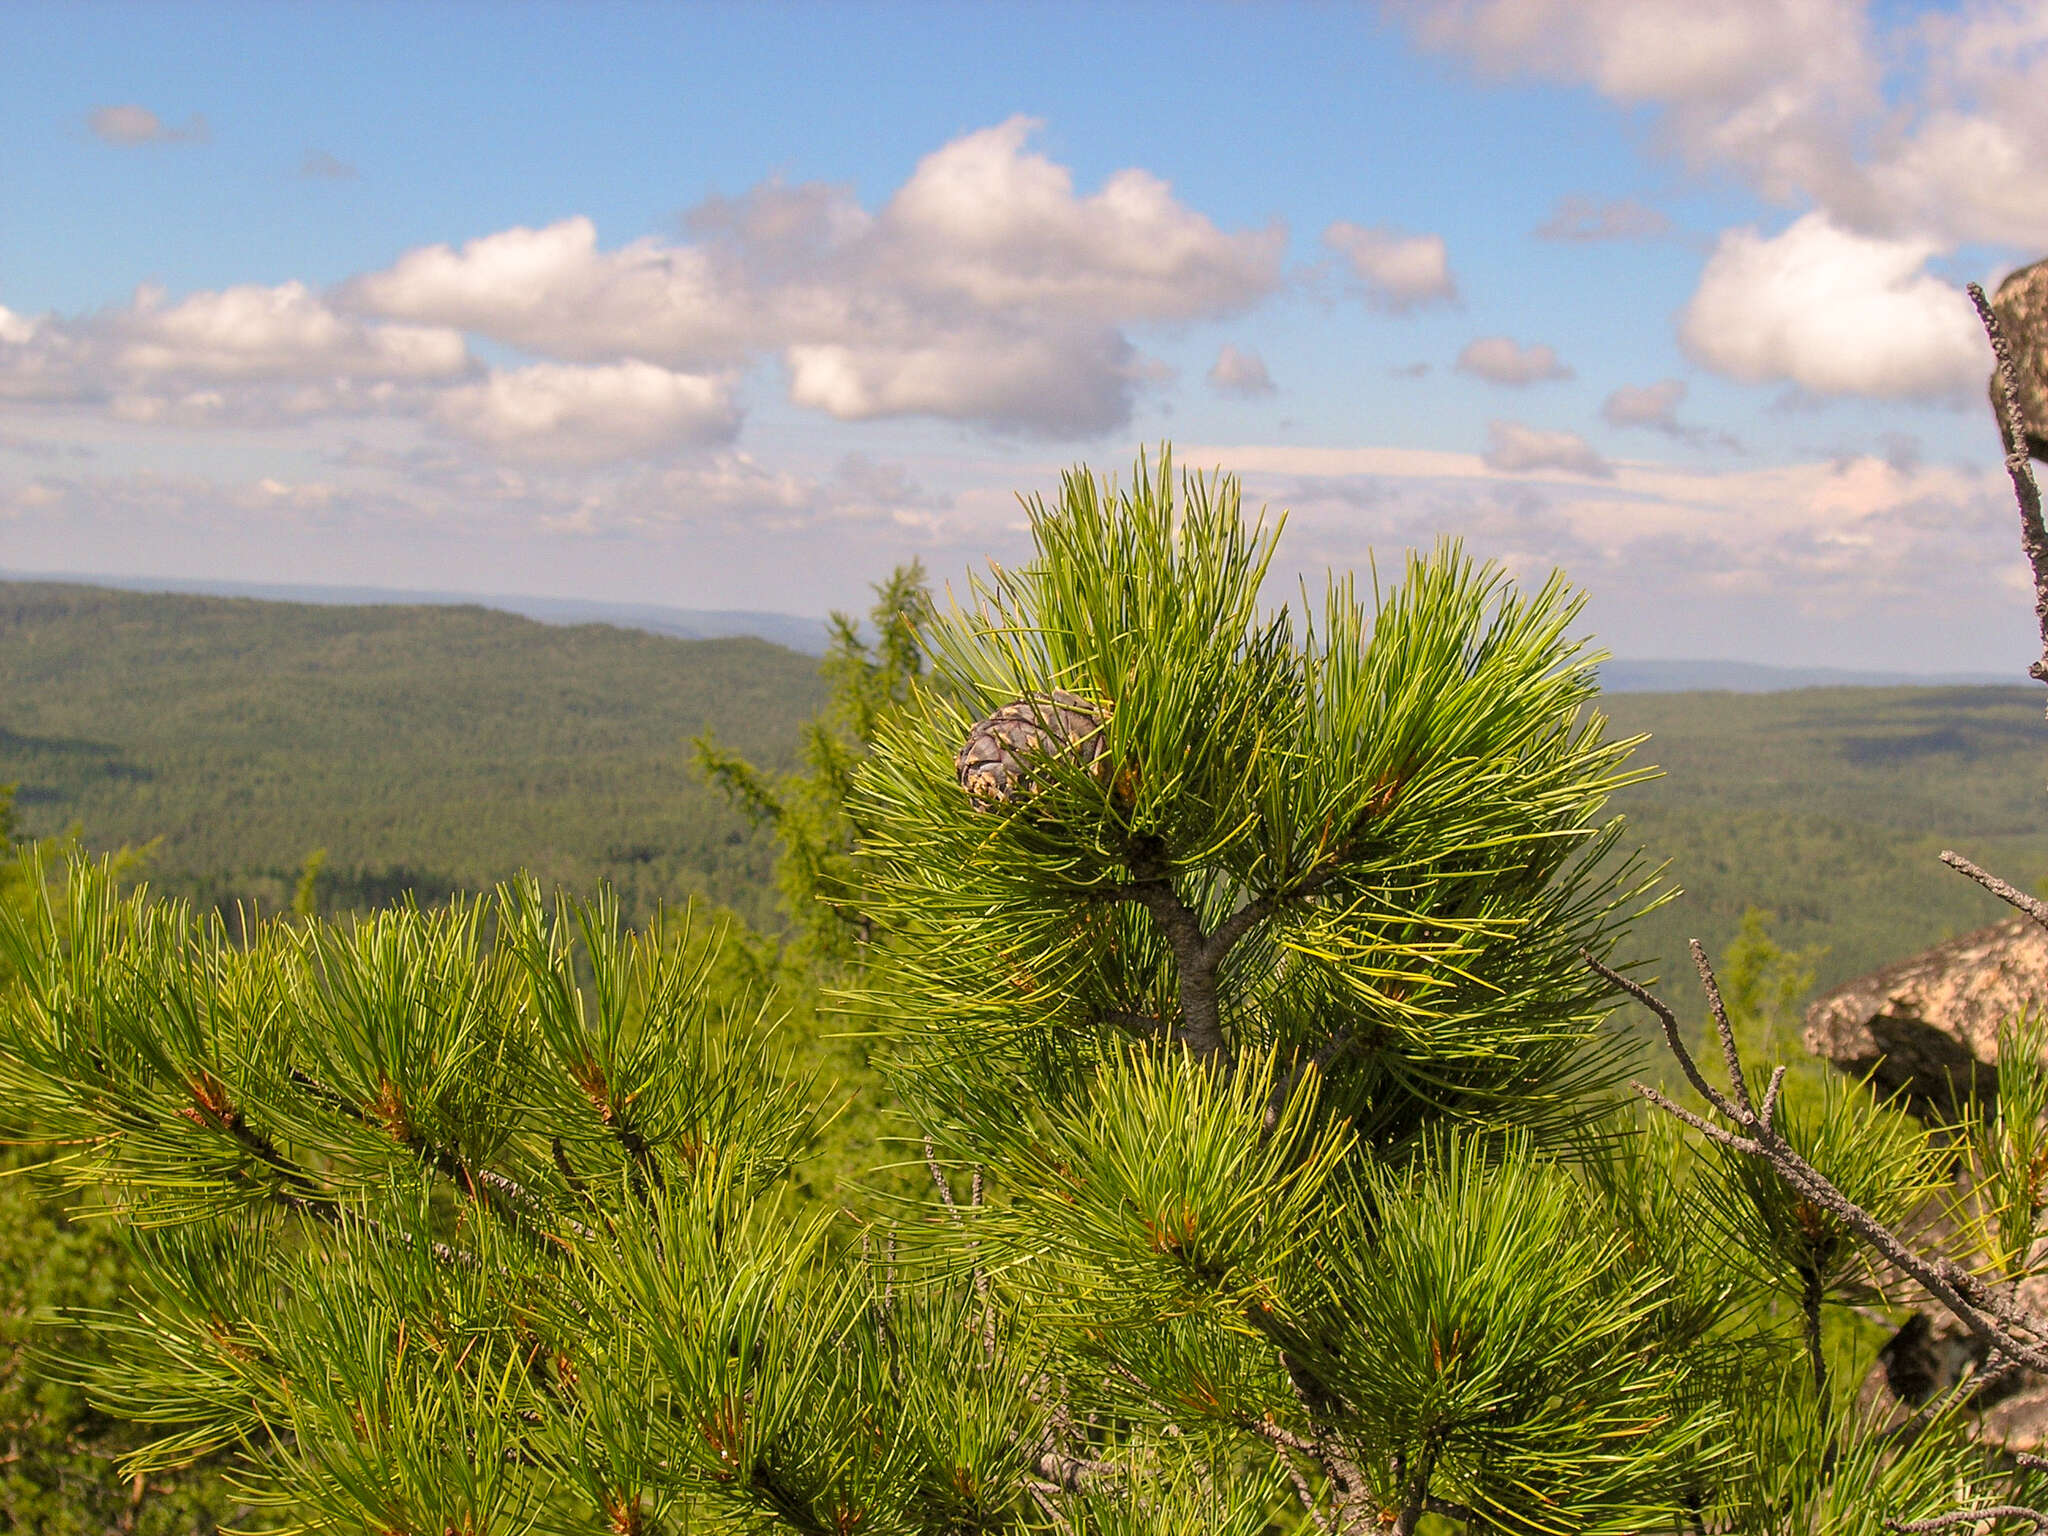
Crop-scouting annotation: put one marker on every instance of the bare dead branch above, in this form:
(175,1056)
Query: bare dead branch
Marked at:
(931,1161)
(1722,1027)
(1989,1514)
(1303,1492)
(2011,895)
(1990,1318)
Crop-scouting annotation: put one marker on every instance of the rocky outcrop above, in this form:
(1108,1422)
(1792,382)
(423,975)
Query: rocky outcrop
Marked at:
(1928,1026)
(2021,304)
(1930,1354)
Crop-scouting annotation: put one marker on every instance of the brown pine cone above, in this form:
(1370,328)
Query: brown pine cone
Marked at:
(994,763)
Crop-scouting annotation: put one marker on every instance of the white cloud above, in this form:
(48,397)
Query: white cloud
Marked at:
(1397,272)
(1769,87)
(1906,135)
(1515,449)
(552,291)
(1645,405)
(1502,360)
(1834,313)
(1929,126)
(986,289)
(1001,228)
(128,123)
(1577,218)
(1240,372)
(287,331)
(1070,383)
(585,414)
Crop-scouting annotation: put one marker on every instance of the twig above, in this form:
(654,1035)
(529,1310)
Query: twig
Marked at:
(1992,1318)
(1990,1512)
(2011,895)
(988,1317)
(931,1161)
(1987,1317)
(2013,428)
(1284,1089)
(520,1208)
(1252,913)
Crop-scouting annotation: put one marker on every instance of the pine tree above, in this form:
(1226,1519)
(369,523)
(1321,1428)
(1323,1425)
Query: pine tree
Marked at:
(1234,968)
(810,811)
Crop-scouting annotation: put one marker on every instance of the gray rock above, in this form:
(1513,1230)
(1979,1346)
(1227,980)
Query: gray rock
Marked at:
(2021,305)
(1927,1026)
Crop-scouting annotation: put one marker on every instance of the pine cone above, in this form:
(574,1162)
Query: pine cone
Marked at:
(993,764)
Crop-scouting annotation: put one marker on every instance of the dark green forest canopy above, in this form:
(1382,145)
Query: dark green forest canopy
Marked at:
(1827,807)
(433,748)
(444,748)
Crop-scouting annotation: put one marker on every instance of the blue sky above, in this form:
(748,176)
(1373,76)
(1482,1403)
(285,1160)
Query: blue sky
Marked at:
(738,306)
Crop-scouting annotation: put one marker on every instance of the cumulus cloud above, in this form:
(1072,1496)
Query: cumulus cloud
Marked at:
(1502,360)
(1928,126)
(1832,312)
(1514,449)
(282,332)
(1397,272)
(1240,372)
(987,289)
(1577,219)
(242,356)
(585,414)
(1645,405)
(131,124)
(319,165)
(1901,132)
(1767,86)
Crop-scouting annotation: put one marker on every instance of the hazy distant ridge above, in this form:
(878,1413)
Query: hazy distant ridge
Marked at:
(784,629)
(808,635)
(1755,677)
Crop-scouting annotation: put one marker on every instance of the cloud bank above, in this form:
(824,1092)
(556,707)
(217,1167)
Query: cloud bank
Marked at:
(986,290)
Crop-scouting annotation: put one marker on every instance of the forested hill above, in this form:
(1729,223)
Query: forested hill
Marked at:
(441,748)
(436,748)
(1829,806)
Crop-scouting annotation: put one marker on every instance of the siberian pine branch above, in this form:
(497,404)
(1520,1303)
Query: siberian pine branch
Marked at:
(1199,954)
(506,1198)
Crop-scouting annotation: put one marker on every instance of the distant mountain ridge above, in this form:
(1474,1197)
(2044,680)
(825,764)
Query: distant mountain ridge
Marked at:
(1673,676)
(789,630)
(808,636)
